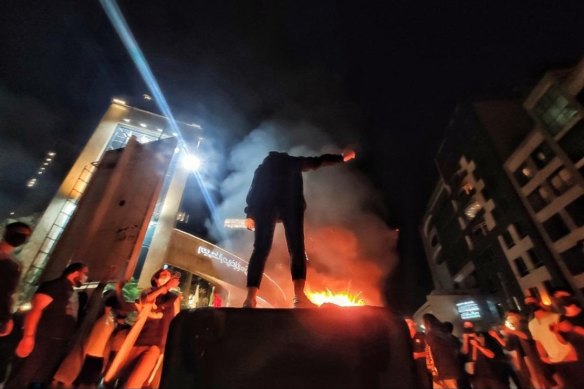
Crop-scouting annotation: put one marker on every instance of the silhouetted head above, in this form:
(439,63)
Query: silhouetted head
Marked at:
(77,273)
(16,234)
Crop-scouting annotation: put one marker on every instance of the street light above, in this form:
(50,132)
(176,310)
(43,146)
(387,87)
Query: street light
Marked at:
(191,162)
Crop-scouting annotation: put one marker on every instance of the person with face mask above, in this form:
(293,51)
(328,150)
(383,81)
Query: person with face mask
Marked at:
(15,235)
(48,329)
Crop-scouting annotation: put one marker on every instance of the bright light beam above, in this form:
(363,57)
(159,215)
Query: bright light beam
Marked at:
(117,19)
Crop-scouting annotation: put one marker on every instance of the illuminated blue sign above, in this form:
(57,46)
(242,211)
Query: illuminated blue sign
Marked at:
(468,310)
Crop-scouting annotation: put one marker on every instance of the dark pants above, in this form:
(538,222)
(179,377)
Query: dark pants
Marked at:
(90,374)
(38,368)
(265,224)
(485,382)
(571,373)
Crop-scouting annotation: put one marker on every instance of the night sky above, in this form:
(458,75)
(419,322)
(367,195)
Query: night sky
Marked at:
(381,76)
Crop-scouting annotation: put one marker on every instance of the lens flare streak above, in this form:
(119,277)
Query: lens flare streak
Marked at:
(115,16)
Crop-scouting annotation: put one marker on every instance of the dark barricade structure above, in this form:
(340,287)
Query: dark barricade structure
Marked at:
(329,347)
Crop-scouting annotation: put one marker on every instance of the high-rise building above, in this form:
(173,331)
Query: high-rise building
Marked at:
(506,216)
(547,169)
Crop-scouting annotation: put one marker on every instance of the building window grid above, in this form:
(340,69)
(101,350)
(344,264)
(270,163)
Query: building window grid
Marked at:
(521,267)
(525,172)
(539,198)
(575,210)
(122,134)
(556,185)
(508,239)
(537,160)
(574,259)
(542,155)
(534,259)
(560,181)
(556,228)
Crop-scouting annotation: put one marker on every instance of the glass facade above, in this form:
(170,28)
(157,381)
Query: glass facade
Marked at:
(554,110)
(123,133)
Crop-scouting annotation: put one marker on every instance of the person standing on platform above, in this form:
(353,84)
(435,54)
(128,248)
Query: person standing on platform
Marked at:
(48,328)
(276,194)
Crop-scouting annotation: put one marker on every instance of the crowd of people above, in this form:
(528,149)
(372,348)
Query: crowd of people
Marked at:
(72,341)
(69,340)
(542,349)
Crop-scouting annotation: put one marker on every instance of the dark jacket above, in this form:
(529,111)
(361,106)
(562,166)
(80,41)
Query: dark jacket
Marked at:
(277,182)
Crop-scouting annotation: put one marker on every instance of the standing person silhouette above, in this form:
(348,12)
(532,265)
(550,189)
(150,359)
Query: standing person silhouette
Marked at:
(276,194)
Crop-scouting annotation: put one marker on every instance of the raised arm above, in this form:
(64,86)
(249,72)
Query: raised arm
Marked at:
(312,163)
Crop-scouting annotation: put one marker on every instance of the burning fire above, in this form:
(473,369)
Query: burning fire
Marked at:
(343,299)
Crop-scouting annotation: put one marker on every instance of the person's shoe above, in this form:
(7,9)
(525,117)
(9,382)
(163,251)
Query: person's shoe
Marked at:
(303,302)
(249,303)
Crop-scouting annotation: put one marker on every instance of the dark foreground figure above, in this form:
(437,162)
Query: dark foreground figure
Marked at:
(276,195)
(327,347)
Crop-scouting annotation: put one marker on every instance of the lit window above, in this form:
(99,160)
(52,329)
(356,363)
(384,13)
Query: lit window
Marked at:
(467,188)
(561,181)
(472,210)
(524,173)
(468,310)
(542,155)
(554,110)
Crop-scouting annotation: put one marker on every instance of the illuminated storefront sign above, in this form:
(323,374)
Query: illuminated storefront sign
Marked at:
(468,310)
(222,259)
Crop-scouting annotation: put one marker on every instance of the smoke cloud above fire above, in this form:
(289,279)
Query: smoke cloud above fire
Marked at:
(349,247)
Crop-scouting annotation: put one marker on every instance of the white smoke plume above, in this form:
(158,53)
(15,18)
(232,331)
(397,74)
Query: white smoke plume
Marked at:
(348,246)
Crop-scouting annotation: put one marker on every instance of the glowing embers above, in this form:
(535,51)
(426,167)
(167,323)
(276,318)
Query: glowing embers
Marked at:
(343,299)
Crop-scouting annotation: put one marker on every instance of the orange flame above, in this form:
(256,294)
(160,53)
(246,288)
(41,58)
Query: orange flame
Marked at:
(343,299)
